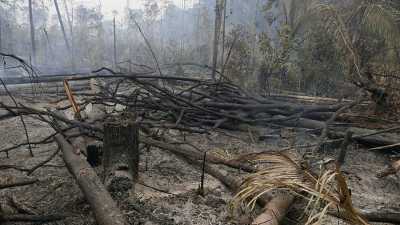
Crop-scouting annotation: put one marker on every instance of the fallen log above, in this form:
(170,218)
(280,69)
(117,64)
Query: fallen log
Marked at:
(332,119)
(105,209)
(390,170)
(377,217)
(18,183)
(196,155)
(275,210)
(382,217)
(385,147)
(361,135)
(31,218)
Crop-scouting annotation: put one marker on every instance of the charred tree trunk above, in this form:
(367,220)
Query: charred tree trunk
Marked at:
(261,79)
(217,28)
(61,25)
(115,45)
(223,35)
(32,26)
(71,29)
(50,49)
(63,32)
(1,47)
(121,155)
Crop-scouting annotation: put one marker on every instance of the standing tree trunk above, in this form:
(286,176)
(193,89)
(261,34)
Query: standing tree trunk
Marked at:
(49,48)
(254,60)
(63,31)
(115,45)
(71,31)
(121,155)
(223,38)
(32,26)
(217,28)
(1,47)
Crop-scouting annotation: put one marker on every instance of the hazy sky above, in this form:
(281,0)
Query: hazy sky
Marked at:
(118,5)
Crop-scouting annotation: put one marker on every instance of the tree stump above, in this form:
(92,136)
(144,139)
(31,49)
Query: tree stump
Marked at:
(120,156)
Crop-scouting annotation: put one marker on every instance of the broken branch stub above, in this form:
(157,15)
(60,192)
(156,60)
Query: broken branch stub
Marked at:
(121,155)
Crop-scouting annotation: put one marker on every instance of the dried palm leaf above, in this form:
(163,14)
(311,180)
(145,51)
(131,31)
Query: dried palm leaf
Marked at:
(283,172)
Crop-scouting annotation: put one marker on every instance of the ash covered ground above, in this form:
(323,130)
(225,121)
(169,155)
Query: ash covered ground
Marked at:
(168,189)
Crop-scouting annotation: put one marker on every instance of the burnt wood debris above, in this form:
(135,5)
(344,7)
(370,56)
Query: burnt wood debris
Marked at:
(136,111)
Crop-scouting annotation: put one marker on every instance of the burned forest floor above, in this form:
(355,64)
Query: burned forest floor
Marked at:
(167,192)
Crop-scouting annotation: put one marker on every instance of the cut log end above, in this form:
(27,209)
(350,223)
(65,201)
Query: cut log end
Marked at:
(275,210)
(119,183)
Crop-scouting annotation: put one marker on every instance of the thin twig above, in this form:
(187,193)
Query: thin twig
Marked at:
(48,159)
(384,147)
(21,117)
(150,48)
(31,218)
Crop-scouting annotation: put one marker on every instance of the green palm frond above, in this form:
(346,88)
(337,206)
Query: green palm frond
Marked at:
(382,21)
(335,24)
(356,20)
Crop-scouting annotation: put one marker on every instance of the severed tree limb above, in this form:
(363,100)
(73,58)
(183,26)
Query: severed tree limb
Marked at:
(362,136)
(21,117)
(378,217)
(392,169)
(325,130)
(19,183)
(48,159)
(187,152)
(29,171)
(105,209)
(31,218)
(382,217)
(275,210)
(150,49)
(385,147)
(14,167)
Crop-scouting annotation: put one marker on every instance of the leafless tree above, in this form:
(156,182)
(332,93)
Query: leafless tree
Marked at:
(63,31)
(218,19)
(32,26)
(70,18)
(115,45)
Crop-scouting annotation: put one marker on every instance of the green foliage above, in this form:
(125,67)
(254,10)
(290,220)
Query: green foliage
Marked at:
(354,26)
(278,60)
(239,68)
(323,43)
(367,32)
(320,63)
(276,66)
